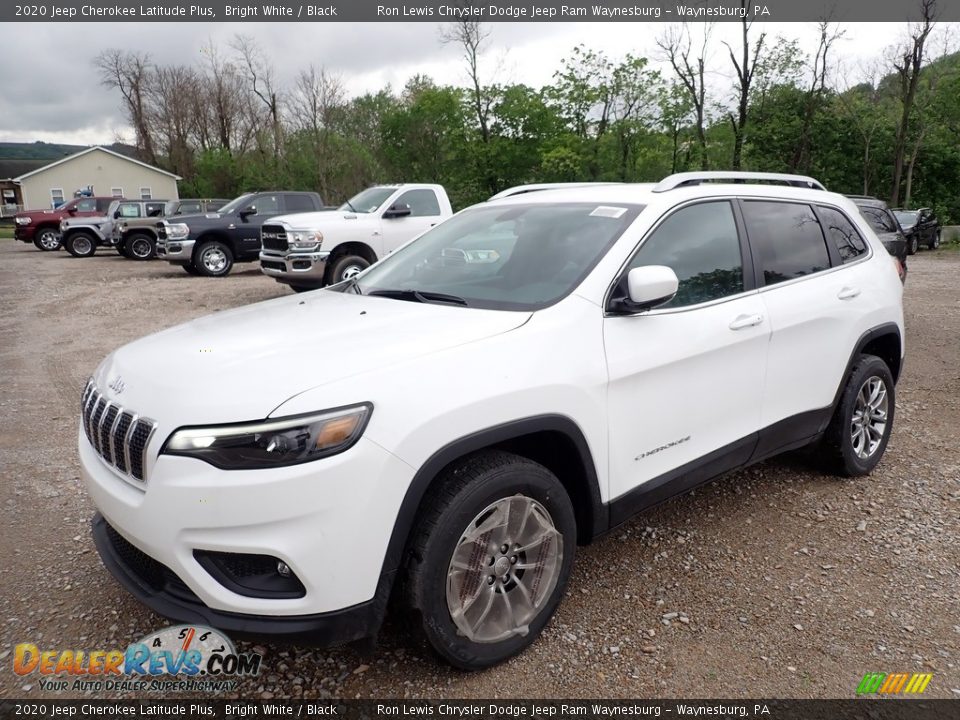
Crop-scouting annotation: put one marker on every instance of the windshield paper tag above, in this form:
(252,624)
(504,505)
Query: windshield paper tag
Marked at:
(608,211)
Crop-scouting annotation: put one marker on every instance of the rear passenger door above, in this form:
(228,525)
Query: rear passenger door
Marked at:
(813,287)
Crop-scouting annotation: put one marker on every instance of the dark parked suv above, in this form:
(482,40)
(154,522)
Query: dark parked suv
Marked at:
(920,227)
(884,223)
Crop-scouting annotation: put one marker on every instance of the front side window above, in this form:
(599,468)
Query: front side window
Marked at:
(701,245)
(129,210)
(267,204)
(183,208)
(842,233)
(519,257)
(423,203)
(786,239)
(86,205)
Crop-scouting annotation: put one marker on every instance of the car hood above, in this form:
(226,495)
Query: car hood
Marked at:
(36,215)
(317,220)
(242,364)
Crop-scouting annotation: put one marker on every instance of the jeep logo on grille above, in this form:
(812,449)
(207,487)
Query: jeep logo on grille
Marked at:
(117,385)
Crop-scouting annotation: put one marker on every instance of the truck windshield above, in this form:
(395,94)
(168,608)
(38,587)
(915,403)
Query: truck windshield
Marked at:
(368,201)
(236,204)
(516,257)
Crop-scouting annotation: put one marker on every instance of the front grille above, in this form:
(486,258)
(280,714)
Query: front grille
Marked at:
(273,265)
(118,435)
(273,237)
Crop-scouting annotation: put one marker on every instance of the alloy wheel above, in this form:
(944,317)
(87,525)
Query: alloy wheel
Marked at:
(869,421)
(214,260)
(140,248)
(48,240)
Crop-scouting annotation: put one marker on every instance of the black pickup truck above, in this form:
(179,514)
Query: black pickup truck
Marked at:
(209,244)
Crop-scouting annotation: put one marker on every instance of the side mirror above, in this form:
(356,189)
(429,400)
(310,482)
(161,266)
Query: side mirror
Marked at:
(72,210)
(247,211)
(647,287)
(116,214)
(397,210)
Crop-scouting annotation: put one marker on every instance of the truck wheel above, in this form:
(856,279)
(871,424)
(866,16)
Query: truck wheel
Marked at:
(858,433)
(913,245)
(190,269)
(346,267)
(213,259)
(141,247)
(490,558)
(935,243)
(46,239)
(80,244)
(121,248)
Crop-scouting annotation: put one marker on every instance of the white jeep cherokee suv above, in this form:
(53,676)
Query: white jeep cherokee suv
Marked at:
(452,422)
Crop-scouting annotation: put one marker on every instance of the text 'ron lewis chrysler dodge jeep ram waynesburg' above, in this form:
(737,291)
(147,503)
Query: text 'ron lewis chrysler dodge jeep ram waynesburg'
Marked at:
(454,420)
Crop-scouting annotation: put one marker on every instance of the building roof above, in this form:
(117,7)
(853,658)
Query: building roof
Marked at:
(11,168)
(90,150)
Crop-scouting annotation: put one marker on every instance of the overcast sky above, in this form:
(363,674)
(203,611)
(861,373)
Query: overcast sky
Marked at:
(50,90)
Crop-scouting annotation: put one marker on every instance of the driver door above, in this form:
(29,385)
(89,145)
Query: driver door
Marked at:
(248,228)
(686,378)
(424,214)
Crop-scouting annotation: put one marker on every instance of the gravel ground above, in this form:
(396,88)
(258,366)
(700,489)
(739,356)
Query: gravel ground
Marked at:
(774,582)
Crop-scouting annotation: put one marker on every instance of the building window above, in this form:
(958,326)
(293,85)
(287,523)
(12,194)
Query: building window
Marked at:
(146,193)
(116,192)
(56,197)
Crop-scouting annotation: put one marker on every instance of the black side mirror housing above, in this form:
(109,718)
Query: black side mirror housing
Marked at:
(397,210)
(247,211)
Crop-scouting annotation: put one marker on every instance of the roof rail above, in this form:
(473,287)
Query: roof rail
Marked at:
(685,179)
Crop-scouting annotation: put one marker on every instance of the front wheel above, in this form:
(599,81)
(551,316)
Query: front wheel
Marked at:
(140,247)
(347,267)
(47,239)
(213,259)
(935,243)
(863,420)
(490,559)
(190,269)
(80,244)
(913,245)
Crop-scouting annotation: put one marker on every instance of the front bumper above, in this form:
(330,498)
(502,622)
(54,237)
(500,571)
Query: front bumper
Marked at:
(330,521)
(24,233)
(159,589)
(295,268)
(176,251)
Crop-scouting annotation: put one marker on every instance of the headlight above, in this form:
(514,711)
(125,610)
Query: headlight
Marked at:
(272,443)
(177,231)
(22,221)
(304,239)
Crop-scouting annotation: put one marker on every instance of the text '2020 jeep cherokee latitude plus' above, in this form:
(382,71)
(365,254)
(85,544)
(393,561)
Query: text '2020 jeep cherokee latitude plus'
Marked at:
(455,419)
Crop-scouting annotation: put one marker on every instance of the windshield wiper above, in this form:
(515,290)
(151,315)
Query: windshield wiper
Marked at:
(350,205)
(423,296)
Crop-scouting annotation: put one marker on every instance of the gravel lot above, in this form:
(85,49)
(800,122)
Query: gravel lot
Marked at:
(773,582)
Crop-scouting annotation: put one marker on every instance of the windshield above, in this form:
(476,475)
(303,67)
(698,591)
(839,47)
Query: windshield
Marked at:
(906,217)
(517,257)
(235,204)
(170,207)
(114,204)
(369,200)
(879,219)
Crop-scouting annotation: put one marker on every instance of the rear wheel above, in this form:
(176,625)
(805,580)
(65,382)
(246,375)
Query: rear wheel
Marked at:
(491,557)
(121,249)
(47,239)
(80,244)
(213,259)
(141,247)
(863,420)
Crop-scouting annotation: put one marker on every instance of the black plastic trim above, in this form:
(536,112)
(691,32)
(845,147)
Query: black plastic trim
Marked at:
(477,441)
(327,629)
(269,585)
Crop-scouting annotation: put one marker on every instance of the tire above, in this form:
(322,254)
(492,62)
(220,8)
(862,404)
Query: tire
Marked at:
(140,246)
(121,249)
(935,243)
(853,448)
(913,244)
(190,269)
(47,239)
(470,495)
(81,244)
(302,288)
(346,267)
(213,259)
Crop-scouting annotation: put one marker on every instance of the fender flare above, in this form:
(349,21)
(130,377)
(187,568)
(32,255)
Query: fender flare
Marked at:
(479,440)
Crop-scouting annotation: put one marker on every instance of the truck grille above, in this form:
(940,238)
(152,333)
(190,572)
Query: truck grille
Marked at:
(273,237)
(118,435)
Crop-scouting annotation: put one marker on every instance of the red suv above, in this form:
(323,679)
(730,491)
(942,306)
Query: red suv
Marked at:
(42,227)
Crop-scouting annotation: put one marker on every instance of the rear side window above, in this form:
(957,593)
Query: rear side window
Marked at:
(842,233)
(298,203)
(880,219)
(701,245)
(786,239)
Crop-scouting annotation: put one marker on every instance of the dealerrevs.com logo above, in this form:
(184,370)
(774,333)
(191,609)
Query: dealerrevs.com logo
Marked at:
(183,657)
(894,683)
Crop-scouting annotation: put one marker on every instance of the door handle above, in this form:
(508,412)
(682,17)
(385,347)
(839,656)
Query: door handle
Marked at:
(745,321)
(848,293)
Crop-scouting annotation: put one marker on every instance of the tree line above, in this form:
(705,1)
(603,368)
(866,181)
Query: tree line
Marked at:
(227,124)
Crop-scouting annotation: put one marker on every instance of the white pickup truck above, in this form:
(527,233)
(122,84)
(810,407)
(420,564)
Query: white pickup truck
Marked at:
(310,250)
